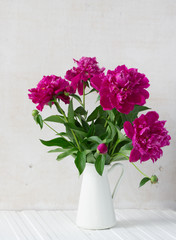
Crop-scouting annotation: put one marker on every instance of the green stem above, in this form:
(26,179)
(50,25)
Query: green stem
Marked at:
(60,110)
(50,127)
(106,122)
(115,145)
(134,165)
(84,99)
(139,170)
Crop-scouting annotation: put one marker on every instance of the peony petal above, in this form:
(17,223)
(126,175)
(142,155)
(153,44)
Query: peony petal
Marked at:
(145,83)
(145,93)
(96,82)
(125,108)
(75,81)
(80,88)
(134,155)
(152,117)
(136,99)
(128,128)
(64,98)
(105,102)
(145,157)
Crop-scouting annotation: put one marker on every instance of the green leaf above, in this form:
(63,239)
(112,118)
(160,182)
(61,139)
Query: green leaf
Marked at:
(50,103)
(108,159)
(62,134)
(95,113)
(66,153)
(57,150)
(76,129)
(127,147)
(137,108)
(134,113)
(111,115)
(59,109)
(120,145)
(99,129)
(70,112)
(94,139)
(77,98)
(69,134)
(121,137)
(91,130)
(113,129)
(80,161)
(93,90)
(55,118)
(39,120)
(99,164)
(98,98)
(60,142)
(77,124)
(143,181)
(85,125)
(90,158)
(93,146)
(81,111)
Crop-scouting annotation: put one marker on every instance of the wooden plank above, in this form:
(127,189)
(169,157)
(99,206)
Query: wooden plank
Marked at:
(6,232)
(131,227)
(165,222)
(18,227)
(166,215)
(95,234)
(147,224)
(61,225)
(39,225)
(171,214)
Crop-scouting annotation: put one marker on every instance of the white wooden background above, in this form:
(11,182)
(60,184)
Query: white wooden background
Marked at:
(59,225)
(40,37)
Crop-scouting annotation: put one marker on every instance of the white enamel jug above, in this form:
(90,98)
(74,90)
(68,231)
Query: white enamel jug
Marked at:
(95,209)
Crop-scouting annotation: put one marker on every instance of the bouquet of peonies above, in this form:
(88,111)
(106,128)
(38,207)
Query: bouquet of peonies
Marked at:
(97,137)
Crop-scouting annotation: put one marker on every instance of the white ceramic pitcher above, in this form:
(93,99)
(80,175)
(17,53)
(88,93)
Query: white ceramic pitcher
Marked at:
(95,209)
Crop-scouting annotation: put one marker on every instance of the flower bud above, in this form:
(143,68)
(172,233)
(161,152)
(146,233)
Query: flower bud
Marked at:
(35,112)
(154,179)
(102,148)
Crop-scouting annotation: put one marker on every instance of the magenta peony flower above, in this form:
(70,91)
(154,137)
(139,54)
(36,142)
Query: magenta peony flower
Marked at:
(148,137)
(122,89)
(86,69)
(102,148)
(49,87)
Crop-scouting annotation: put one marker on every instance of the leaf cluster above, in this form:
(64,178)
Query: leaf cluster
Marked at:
(83,133)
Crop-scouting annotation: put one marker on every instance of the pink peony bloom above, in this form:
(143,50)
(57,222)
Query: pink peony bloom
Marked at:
(48,88)
(122,89)
(86,69)
(148,137)
(102,148)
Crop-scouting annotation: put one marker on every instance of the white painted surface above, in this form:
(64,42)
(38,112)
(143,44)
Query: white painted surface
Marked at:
(57,225)
(95,202)
(40,38)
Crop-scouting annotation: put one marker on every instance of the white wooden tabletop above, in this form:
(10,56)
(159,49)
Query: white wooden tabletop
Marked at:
(59,225)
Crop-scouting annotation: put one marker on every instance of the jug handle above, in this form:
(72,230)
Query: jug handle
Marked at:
(117,183)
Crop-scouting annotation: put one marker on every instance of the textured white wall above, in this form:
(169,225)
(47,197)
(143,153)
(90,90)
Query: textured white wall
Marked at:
(40,38)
